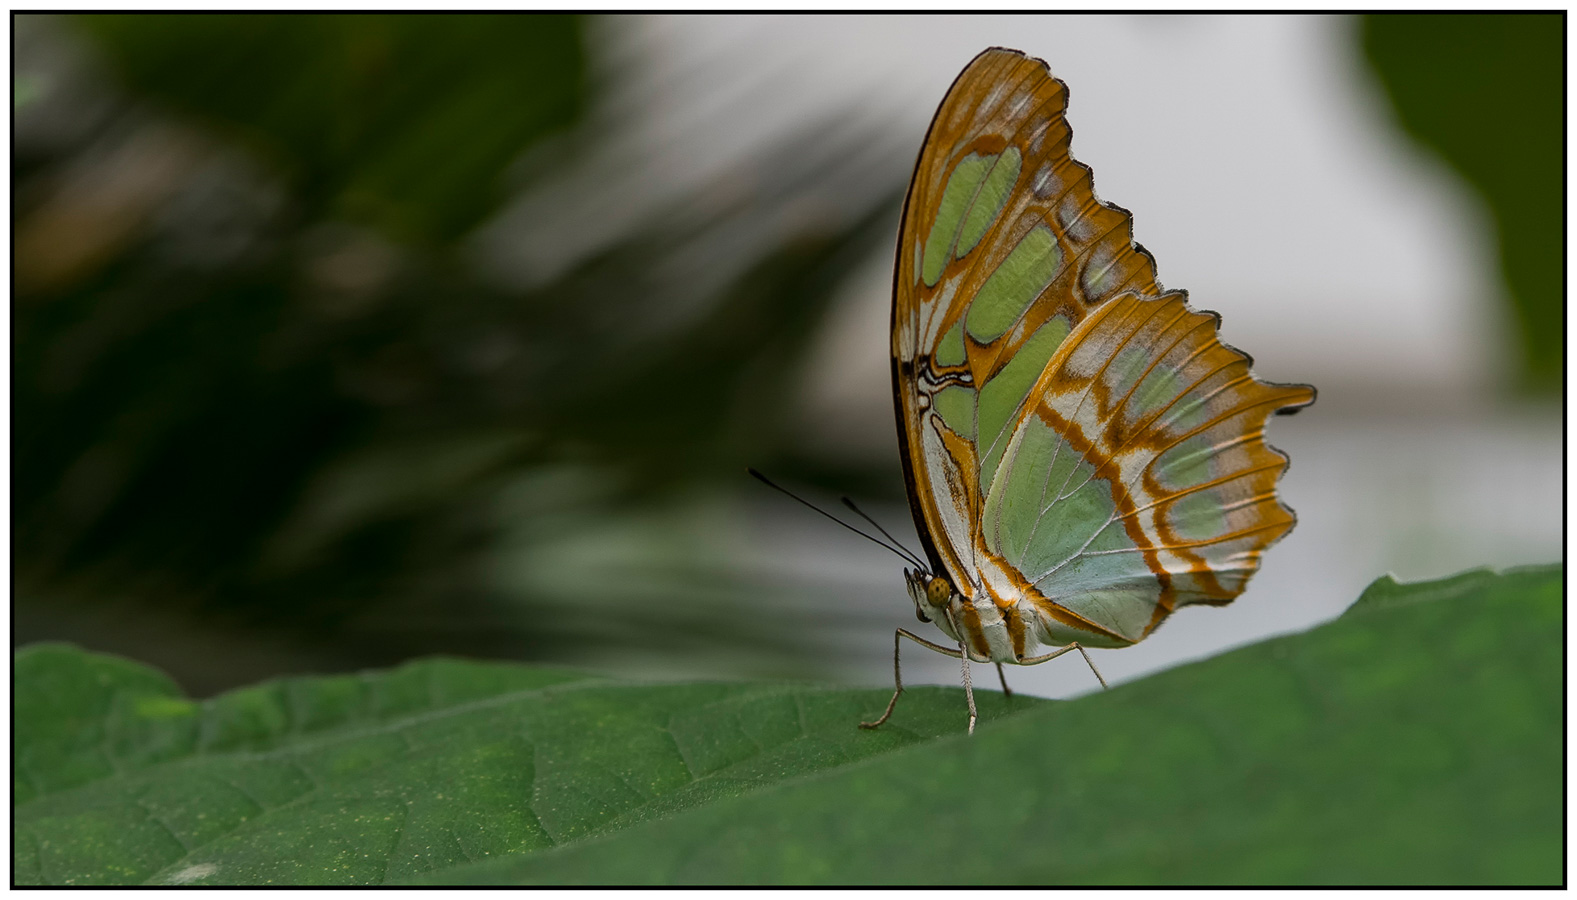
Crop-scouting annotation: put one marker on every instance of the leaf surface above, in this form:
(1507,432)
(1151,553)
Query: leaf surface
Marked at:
(1415,740)
(1415,744)
(384,776)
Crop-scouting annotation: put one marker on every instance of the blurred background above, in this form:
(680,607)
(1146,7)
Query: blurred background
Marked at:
(340,340)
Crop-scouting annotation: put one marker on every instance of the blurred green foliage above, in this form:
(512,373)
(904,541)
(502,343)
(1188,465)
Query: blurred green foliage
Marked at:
(1487,92)
(261,385)
(401,123)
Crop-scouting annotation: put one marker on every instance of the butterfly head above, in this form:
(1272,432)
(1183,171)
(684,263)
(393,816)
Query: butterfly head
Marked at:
(930,593)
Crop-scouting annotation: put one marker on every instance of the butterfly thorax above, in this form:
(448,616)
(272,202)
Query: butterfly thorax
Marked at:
(991,629)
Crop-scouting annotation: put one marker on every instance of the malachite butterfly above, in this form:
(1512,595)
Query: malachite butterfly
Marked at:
(1083,455)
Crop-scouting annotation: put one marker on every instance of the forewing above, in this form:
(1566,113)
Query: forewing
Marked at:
(1003,251)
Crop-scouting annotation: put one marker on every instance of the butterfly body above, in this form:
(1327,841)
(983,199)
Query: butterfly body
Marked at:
(1083,455)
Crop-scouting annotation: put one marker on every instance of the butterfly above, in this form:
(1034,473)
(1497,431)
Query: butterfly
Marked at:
(1083,456)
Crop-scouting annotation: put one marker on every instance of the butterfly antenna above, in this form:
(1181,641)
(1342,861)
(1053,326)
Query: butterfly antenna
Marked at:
(777,487)
(913,557)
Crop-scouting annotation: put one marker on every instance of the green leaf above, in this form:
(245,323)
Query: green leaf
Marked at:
(1417,742)
(384,776)
(1386,592)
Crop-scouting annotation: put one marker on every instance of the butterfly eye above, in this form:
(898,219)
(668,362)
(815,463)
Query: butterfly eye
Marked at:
(938,591)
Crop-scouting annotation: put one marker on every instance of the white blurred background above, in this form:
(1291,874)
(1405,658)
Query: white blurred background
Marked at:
(1268,179)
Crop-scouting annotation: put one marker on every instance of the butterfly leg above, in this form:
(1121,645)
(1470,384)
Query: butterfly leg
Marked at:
(898,675)
(1034,660)
(969,690)
(1004,679)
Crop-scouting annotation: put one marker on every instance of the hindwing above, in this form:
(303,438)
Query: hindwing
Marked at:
(1137,479)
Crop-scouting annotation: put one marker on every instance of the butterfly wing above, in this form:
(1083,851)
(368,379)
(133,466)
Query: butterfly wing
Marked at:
(1073,438)
(1137,480)
(1003,250)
